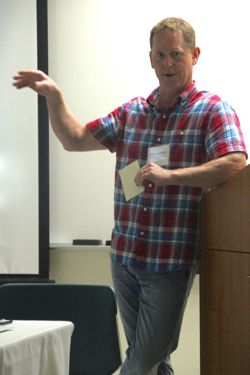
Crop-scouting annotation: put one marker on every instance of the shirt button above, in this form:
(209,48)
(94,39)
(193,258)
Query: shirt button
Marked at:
(142,234)
(164,116)
(145,209)
(159,139)
(150,185)
(181,133)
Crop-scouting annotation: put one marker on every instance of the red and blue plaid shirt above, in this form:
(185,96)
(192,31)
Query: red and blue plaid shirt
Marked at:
(159,229)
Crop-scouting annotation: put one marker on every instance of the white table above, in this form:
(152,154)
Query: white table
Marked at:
(35,348)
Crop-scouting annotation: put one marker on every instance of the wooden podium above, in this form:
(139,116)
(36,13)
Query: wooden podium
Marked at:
(225,278)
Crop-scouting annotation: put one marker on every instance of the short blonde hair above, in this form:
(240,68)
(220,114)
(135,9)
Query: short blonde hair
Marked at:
(175,24)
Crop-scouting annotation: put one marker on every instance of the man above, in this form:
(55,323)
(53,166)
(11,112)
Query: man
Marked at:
(186,142)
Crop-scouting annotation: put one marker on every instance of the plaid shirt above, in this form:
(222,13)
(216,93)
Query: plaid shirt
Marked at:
(159,229)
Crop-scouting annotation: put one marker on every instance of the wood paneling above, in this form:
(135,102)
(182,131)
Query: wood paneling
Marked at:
(225,279)
(225,309)
(227,211)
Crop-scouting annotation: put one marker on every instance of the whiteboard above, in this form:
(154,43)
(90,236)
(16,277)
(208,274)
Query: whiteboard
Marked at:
(19,173)
(98,54)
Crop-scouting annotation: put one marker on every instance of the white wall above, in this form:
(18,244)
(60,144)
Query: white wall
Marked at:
(98,54)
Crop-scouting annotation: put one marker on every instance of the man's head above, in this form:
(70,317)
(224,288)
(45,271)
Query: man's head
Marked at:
(175,24)
(173,54)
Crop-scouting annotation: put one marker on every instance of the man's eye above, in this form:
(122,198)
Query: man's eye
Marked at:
(160,55)
(176,54)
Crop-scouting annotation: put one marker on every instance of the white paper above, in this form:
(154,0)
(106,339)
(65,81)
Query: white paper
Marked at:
(127,175)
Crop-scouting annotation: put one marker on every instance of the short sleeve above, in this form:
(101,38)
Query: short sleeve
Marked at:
(107,130)
(224,134)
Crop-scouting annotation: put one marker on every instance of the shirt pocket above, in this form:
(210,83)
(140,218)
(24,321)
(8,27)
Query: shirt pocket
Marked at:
(187,148)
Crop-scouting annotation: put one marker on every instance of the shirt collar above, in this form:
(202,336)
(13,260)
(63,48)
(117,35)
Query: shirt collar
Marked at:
(182,99)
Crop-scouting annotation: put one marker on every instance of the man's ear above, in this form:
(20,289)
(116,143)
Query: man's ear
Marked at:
(196,55)
(151,59)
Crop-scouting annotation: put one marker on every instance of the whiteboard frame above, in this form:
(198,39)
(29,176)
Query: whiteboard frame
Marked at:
(43,158)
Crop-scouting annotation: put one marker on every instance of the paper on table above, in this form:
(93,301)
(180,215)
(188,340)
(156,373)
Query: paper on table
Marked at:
(6,325)
(6,328)
(127,175)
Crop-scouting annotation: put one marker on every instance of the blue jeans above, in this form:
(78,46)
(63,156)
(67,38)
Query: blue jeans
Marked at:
(151,306)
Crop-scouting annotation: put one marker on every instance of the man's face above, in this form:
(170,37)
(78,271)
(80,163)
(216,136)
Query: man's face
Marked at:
(173,61)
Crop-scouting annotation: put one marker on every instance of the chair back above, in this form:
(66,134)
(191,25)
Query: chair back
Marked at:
(92,308)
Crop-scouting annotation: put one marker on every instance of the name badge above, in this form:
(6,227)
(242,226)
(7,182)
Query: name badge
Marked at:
(159,155)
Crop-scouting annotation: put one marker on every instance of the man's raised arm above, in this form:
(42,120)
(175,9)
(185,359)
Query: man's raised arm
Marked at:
(72,134)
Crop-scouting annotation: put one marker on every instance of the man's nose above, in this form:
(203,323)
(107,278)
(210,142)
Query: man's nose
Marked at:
(168,61)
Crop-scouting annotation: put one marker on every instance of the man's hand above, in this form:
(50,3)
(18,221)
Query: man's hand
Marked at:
(37,81)
(154,173)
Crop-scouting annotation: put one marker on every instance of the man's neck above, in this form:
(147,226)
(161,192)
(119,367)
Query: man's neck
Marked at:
(167,98)
(164,103)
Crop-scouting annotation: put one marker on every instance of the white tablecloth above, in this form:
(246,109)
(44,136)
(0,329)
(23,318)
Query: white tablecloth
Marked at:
(35,348)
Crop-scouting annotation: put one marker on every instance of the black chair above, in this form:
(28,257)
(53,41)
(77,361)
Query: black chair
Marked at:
(92,308)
